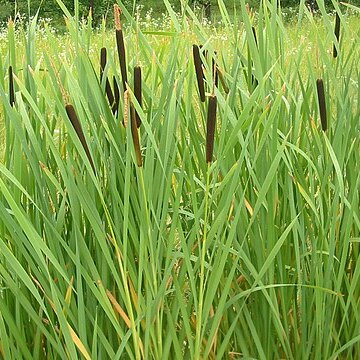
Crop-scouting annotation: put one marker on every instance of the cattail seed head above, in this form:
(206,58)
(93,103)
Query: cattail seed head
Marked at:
(254,33)
(122,55)
(135,135)
(199,72)
(78,129)
(138,91)
(210,129)
(103,61)
(322,103)
(11,87)
(117,95)
(337,34)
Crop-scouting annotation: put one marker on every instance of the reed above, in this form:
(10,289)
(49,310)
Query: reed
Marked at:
(210,128)
(322,103)
(199,72)
(120,43)
(11,87)
(71,113)
(337,35)
(138,91)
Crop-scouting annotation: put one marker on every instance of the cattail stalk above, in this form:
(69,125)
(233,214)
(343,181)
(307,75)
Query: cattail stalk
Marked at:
(138,91)
(199,72)
(120,45)
(210,129)
(337,34)
(78,129)
(215,71)
(11,87)
(322,103)
(222,80)
(135,135)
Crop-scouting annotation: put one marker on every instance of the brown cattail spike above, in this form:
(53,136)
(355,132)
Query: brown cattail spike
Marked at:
(11,87)
(199,72)
(254,33)
(117,95)
(103,60)
(135,135)
(122,56)
(78,129)
(215,71)
(337,34)
(210,129)
(138,91)
(322,103)
(109,93)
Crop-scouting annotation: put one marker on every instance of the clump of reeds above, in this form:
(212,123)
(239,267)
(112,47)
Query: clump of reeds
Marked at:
(109,93)
(337,34)
(78,129)
(210,127)
(322,103)
(137,91)
(120,45)
(11,87)
(199,72)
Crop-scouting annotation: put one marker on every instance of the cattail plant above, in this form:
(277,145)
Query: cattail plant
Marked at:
(138,91)
(322,103)
(337,34)
(11,87)
(109,93)
(120,45)
(78,129)
(210,128)
(254,81)
(199,72)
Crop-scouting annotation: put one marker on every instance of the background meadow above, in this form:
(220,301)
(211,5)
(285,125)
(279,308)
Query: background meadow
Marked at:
(123,236)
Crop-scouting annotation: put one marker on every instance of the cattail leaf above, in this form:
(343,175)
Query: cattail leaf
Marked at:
(199,72)
(78,129)
(210,130)
(138,91)
(322,103)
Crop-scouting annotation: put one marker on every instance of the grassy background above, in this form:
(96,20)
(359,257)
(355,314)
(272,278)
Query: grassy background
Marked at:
(254,255)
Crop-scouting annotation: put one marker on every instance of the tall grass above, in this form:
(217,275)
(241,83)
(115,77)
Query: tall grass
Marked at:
(189,240)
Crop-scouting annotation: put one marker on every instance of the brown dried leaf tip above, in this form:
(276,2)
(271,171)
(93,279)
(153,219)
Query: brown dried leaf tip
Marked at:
(337,34)
(211,126)
(322,103)
(71,113)
(199,72)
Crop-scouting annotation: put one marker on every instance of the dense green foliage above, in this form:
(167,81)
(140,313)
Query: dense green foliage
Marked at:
(118,242)
(49,8)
